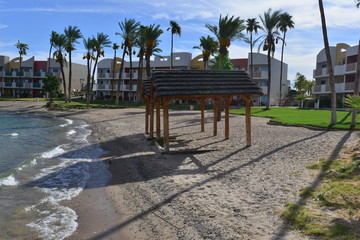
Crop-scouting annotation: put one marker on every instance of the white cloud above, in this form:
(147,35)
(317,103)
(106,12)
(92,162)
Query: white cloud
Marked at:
(3,26)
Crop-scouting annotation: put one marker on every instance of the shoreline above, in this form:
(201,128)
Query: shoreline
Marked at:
(219,190)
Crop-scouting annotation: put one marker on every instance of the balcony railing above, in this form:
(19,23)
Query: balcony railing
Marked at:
(350,67)
(36,85)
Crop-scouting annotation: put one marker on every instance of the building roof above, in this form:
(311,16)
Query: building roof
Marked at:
(198,83)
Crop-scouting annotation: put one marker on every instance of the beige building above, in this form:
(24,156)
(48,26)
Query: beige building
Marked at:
(344,58)
(27,82)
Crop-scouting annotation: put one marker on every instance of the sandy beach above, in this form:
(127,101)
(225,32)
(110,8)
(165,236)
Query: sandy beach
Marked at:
(206,187)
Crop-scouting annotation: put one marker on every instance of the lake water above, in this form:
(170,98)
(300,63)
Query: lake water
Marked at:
(43,161)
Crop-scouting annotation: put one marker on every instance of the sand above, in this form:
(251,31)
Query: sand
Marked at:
(206,188)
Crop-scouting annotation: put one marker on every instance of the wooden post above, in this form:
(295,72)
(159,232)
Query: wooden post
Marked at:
(147,116)
(216,104)
(166,124)
(202,102)
(158,119)
(248,120)
(151,118)
(227,116)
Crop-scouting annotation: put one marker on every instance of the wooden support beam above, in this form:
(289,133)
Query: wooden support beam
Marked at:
(151,118)
(216,108)
(147,107)
(158,129)
(202,102)
(248,120)
(227,116)
(166,124)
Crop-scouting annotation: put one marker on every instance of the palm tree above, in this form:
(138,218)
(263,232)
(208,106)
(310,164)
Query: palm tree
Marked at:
(100,42)
(115,47)
(252,26)
(72,34)
(357,77)
(209,47)
(285,24)
(89,45)
(128,33)
(270,22)
(59,43)
(358,3)
(228,30)
(329,64)
(52,37)
(226,63)
(151,34)
(22,47)
(175,29)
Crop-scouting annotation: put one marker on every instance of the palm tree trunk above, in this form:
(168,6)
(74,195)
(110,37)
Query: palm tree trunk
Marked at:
(131,75)
(70,74)
(93,75)
(329,63)
(19,74)
(139,80)
(48,65)
(251,55)
(117,102)
(356,85)
(63,77)
(269,79)
(113,77)
(281,67)
(88,96)
(171,55)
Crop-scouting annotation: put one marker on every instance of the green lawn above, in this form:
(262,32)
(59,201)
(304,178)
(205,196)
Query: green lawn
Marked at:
(309,117)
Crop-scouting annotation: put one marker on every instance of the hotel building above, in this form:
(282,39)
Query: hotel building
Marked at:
(27,82)
(344,58)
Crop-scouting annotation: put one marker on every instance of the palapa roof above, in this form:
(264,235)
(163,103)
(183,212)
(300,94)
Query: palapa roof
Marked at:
(197,83)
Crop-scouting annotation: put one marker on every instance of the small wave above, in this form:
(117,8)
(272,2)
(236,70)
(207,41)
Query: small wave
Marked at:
(9,181)
(14,134)
(68,122)
(71,132)
(52,153)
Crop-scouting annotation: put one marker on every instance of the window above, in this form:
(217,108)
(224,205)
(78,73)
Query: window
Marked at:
(322,82)
(264,68)
(177,58)
(263,83)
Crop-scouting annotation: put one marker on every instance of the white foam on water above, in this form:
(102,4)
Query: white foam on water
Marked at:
(71,132)
(64,181)
(68,122)
(9,181)
(53,153)
(14,134)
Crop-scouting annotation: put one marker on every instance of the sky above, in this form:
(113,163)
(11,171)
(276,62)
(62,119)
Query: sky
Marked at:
(32,22)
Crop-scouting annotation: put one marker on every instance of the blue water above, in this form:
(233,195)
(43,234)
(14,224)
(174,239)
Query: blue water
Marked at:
(43,161)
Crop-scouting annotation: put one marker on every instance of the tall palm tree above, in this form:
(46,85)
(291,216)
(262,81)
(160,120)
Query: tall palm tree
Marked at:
(72,34)
(227,30)
(128,29)
(329,64)
(175,29)
(115,47)
(209,47)
(358,3)
(60,42)
(52,37)
(89,45)
(357,77)
(100,42)
(22,47)
(151,34)
(270,22)
(285,24)
(252,26)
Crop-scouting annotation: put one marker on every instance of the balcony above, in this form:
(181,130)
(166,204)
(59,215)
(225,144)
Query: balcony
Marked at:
(260,75)
(339,88)
(320,72)
(339,70)
(350,67)
(36,85)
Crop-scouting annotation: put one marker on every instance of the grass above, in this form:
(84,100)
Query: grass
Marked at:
(307,117)
(23,99)
(331,210)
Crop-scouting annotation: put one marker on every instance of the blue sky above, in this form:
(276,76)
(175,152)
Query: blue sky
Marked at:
(32,21)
